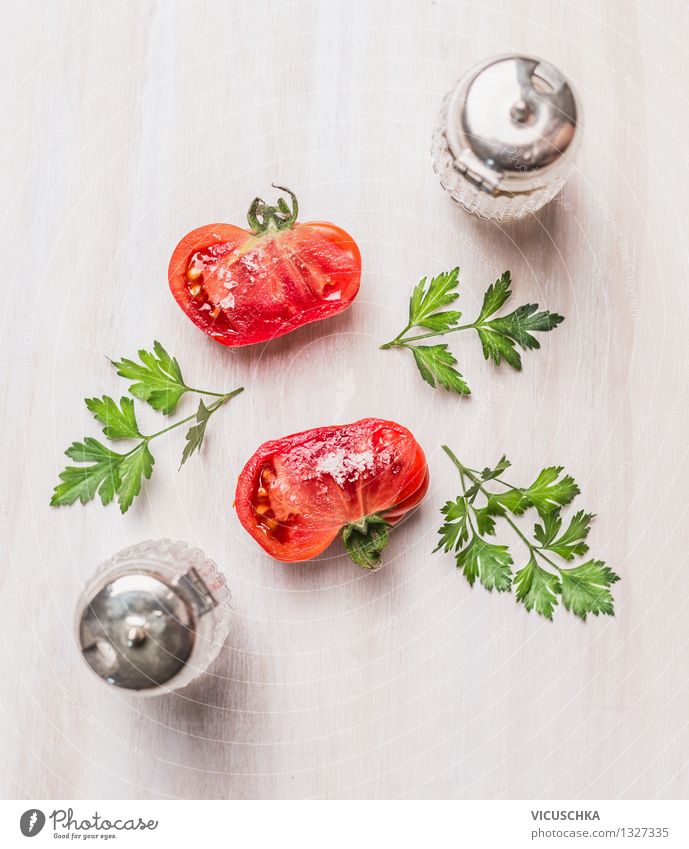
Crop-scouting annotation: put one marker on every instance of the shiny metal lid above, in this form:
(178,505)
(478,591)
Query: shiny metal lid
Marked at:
(137,631)
(511,123)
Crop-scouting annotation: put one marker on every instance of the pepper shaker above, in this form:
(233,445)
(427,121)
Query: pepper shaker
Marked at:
(505,137)
(153,617)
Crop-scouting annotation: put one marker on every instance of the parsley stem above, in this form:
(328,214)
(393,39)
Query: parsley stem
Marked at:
(515,528)
(468,506)
(399,341)
(504,483)
(461,468)
(534,549)
(396,341)
(211,409)
(537,550)
(208,392)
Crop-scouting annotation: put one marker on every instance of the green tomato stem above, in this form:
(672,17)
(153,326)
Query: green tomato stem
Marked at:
(262,217)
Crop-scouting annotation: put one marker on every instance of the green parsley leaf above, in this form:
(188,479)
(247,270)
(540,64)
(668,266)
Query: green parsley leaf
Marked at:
(519,325)
(513,500)
(571,543)
(546,533)
(496,295)
(486,475)
(134,467)
(499,336)
(485,523)
(488,562)
(501,466)
(455,531)
(425,302)
(436,365)
(158,378)
(547,493)
(91,450)
(120,421)
(84,482)
(364,541)
(441,322)
(537,588)
(196,432)
(585,589)
(498,347)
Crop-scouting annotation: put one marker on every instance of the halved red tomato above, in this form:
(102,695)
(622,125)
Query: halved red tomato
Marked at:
(246,286)
(296,494)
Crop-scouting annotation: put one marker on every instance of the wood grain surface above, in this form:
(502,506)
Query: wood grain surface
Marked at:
(125,124)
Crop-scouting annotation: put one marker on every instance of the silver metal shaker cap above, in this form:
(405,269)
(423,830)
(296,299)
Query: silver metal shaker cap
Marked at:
(517,114)
(138,631)
(507,131)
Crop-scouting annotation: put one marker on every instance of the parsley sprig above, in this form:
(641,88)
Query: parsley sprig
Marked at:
(544,580)
(110,474)
(499,336)
(158,379)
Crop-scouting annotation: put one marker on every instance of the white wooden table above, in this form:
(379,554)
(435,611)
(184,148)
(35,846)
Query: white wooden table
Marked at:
(125,124)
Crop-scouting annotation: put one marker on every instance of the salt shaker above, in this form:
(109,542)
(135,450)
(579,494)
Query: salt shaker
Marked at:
(505,137)
(153,617)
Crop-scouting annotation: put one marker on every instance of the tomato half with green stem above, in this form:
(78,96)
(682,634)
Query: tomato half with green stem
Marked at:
(295,495)
(246,286)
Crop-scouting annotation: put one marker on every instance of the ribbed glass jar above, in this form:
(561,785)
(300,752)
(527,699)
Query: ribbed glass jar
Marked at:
(505,137)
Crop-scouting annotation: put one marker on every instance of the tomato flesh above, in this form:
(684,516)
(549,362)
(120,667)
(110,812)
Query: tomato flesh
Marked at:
(295,494)
(242,288)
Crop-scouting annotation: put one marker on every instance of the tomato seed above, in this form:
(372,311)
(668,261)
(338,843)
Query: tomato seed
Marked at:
(267,475)
(194,271)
